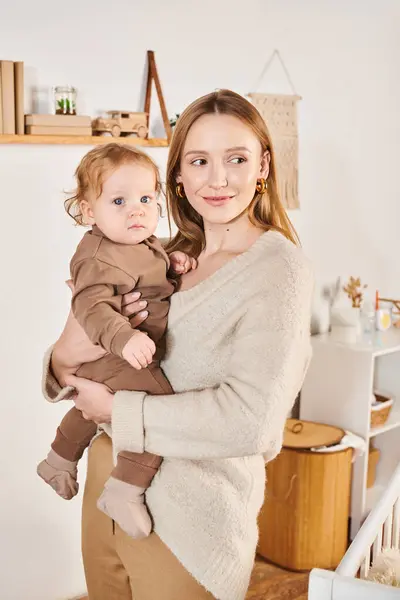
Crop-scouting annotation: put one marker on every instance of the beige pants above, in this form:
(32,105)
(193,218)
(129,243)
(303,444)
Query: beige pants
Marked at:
(118,567)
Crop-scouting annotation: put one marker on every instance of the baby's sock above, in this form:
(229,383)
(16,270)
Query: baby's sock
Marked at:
(61,474)
(124,503)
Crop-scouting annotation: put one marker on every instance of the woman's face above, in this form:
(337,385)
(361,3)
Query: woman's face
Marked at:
(221,162)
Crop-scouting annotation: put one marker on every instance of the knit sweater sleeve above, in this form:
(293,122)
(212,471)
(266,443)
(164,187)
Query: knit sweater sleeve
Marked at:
(245,414)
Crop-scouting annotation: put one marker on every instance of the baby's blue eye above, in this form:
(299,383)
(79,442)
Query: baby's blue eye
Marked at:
(118,201)
(145,199)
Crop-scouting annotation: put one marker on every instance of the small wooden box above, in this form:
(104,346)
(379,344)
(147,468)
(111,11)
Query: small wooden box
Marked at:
(304,521)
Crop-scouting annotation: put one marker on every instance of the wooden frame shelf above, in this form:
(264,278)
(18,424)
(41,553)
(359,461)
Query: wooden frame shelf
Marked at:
(80,140)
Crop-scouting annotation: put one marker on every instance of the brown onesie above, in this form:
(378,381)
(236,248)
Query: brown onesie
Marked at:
(102,271)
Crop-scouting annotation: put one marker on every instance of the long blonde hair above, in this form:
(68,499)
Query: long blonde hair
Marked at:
(265,210)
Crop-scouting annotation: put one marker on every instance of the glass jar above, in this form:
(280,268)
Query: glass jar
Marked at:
(368,319)
(65,100)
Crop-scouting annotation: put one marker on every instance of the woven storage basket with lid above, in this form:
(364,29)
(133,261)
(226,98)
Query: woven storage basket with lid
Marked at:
(304,521)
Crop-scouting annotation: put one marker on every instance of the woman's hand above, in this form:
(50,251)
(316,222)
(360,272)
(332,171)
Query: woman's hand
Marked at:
(93,399)
(73,348)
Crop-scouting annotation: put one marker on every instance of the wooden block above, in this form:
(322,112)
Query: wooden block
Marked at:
(41,130)
(7,95)
(58,120)
(19,97)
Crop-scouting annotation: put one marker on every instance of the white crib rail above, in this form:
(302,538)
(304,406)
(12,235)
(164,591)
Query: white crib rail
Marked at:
(326,585)
(381,529)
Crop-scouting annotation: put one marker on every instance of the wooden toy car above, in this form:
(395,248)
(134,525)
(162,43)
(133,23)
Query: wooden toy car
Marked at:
(122,123)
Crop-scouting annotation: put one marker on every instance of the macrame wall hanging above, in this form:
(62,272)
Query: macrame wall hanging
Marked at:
(279,112)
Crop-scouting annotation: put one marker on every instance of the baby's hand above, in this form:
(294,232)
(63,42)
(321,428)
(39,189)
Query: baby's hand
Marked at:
(139,350)
(181,263)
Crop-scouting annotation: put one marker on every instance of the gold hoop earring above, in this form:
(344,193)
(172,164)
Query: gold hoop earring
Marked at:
(180,192)
(261,185)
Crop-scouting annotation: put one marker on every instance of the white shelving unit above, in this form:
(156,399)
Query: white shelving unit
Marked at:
(337,391)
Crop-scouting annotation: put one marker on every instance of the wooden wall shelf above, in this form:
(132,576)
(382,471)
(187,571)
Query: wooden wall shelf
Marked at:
(81,140)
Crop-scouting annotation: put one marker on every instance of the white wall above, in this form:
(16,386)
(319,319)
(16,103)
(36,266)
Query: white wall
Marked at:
(344,59)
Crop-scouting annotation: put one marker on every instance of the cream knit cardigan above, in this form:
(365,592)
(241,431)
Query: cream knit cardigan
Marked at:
(238,348)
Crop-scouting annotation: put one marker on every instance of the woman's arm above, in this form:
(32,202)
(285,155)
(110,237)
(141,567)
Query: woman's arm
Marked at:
(245,414)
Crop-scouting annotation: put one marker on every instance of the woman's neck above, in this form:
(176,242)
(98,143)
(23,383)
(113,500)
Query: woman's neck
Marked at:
(232,238)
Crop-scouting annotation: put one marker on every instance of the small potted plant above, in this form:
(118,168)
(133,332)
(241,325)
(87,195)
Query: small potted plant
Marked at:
(354,290)
(345,319)
(65,100)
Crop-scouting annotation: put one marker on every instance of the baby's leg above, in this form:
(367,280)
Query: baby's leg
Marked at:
(59,469)
(123,495)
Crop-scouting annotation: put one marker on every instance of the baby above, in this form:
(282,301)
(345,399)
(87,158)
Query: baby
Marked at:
(117,194)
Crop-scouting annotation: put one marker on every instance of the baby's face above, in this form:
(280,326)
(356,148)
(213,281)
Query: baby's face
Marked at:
(126,211)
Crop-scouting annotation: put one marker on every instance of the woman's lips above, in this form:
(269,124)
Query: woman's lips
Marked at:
(217,200)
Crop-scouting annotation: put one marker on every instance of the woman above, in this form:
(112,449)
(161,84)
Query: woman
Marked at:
(237,351)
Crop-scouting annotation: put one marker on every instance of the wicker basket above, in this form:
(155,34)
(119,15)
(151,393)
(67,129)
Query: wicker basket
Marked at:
(304,521)
(380,410)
